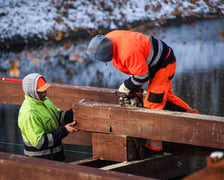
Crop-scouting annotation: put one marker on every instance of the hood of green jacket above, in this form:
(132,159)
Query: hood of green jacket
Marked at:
(30,85)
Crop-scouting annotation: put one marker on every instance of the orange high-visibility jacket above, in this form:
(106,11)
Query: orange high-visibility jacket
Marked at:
(130,50)
(139,55)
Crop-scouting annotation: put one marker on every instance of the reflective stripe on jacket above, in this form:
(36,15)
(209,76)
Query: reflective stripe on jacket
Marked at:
(43,152)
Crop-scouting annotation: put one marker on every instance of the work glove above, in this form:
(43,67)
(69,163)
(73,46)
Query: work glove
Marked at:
(130,97)
(124,89)
(123,92)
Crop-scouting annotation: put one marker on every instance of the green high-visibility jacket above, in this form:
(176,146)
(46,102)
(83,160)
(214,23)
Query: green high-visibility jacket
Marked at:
(37,118)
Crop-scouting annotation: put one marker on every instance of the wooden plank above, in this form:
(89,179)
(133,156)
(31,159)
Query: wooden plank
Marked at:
(24,168)
(70,94)
(186,128)
(62,95)
(109,147)
(117,148)
(12,92)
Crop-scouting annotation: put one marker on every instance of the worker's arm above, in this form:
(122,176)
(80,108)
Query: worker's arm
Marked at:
(139,70)
(65,117)
(55,137)
(135,81)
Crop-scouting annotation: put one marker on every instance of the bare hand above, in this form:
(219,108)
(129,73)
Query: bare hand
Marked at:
(71,127)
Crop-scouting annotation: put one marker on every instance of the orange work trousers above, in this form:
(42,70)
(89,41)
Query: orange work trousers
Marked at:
(160,94)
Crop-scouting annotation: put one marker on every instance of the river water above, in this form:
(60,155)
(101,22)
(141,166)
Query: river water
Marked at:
(199,78)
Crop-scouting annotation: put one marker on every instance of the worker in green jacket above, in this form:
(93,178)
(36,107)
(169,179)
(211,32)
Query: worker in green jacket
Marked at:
(42,125)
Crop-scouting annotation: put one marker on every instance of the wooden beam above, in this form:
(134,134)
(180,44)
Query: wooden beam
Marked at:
(117,147)
(62,95)
(25,168)
(70,94)
(109,147)
(12,92)
(186,128)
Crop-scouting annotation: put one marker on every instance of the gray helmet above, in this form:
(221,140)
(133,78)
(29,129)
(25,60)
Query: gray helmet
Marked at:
(100,48)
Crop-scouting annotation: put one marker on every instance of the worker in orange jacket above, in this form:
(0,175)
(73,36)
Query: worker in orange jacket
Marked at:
(145,58)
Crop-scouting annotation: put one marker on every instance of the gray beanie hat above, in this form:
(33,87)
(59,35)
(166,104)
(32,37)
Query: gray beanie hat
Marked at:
(100,48)
(29,84)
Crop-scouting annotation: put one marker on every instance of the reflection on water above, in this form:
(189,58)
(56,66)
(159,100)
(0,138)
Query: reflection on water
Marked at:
(202,90)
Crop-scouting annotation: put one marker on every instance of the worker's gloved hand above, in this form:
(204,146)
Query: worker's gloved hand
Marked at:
(124,89)
(123,92)
(130,97)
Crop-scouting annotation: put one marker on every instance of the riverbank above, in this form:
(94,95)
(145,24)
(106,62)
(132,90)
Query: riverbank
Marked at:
(24,23)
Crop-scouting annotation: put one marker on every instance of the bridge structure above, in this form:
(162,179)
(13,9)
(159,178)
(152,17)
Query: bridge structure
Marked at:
(116,134)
